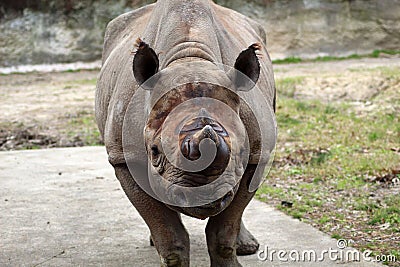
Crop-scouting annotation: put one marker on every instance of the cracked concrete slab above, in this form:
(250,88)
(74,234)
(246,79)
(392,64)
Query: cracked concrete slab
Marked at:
(64,207)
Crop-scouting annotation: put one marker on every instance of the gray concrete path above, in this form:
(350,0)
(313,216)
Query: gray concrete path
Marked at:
(64,207)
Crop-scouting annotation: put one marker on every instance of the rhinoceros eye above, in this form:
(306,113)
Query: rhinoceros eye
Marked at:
(154,150)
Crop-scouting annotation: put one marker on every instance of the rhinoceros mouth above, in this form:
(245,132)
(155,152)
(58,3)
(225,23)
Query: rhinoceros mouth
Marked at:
(208,210)
(206,191)
(193,180)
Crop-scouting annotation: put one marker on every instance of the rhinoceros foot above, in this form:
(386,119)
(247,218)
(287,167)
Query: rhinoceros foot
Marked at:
(246,243)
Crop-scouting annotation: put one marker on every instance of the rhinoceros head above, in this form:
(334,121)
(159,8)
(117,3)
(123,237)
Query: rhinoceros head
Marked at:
(194,137)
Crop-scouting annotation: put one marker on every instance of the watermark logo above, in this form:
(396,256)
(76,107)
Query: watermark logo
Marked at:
(343,243)
(342,252)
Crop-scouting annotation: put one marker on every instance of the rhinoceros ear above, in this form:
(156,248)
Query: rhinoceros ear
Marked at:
(145,62)
(248,68)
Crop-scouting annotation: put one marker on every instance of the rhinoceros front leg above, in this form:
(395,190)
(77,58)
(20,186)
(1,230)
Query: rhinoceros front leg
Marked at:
(167,231)
(223,229)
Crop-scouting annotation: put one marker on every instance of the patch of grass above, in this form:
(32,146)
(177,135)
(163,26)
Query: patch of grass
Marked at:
(388,214)
(382,216)
(377,53)
(296,214)
(83,126)
(72,70)
(374,54)
(287,86)
(393,257)
(287,60)
(324,219)
(30,147)
(373,136)
(329,109)
(336,236)
(333,58)
(389,72)
(269,191)
(320,157)
(338,127)
(362,206)
(286,120)
(294,171)
(304,208)
(328,152)
(313,203)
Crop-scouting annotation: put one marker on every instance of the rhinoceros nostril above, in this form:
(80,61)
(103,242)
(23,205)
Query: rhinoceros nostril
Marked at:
(190,146)
(206,140)
(185,148)
(190,149)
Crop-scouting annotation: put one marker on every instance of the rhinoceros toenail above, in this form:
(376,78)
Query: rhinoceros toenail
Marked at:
(172,260)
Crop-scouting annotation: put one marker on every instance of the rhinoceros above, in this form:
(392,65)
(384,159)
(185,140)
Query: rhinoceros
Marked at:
(186,82)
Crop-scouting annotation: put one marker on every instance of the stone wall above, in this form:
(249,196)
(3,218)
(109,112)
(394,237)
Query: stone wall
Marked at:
(49,31)
(310,28)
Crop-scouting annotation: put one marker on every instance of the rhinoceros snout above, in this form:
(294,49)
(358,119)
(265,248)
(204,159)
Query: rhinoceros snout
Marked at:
(190,148)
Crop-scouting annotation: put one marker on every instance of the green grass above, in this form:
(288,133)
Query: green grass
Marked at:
(374,54)
(377,53)
(390,213)
(325,153)
(324,219)
(287,86)
(386,72)
(389,72)
(336,126)
(72,70)
(336,236)
(288,60)
(84,127)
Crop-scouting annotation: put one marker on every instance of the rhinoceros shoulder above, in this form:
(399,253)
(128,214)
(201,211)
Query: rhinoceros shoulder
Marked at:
(122,26)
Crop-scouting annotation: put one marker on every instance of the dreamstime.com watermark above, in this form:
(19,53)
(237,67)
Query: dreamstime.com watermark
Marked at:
(340,253)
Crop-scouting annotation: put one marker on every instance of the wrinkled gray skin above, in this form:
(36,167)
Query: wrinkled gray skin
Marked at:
(214,35)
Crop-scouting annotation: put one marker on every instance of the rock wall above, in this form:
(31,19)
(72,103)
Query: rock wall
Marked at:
(310,28)
(50,31)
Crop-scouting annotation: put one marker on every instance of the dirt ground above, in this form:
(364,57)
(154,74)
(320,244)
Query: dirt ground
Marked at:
(367,83)
(47,110)
(55,109)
